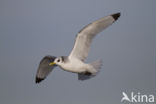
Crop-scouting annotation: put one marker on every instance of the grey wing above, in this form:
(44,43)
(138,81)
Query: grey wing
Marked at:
(85,36)
(44,68)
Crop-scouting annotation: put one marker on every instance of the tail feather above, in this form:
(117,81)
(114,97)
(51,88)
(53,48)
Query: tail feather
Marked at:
(96,66)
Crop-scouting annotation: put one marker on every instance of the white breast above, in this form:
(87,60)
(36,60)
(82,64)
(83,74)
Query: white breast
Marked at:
(74,65)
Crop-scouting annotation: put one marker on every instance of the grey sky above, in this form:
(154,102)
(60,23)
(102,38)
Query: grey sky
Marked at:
(31,29)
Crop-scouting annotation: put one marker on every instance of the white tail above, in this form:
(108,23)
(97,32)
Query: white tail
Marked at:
(97,65)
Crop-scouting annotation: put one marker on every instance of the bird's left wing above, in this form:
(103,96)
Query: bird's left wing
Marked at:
(44,68)
(85,36)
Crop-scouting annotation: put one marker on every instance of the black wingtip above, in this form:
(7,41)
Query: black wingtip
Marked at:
(116,16)
(38,80)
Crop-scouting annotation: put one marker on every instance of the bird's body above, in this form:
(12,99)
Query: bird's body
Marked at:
(77,66)
(75,62)
(74,65)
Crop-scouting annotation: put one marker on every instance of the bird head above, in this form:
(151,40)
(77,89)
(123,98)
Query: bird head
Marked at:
(57,61)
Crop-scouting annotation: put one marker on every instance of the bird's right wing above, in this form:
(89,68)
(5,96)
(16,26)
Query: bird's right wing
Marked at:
(85,36)
(44,68)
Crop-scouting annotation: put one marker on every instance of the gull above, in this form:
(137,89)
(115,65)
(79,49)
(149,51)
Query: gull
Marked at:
(75,62)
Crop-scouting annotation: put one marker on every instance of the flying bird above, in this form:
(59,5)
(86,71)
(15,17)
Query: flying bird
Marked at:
(75,62)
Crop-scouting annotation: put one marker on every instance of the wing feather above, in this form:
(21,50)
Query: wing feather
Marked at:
(44,68)
(86,35)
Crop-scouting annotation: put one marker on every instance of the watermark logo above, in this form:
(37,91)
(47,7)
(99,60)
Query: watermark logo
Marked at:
(137,97)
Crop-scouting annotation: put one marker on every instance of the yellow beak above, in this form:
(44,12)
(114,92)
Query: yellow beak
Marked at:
(52,63)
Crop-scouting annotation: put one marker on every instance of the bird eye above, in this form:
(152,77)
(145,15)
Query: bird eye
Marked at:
(58,60)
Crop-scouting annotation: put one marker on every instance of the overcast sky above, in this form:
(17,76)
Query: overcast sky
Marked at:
(31,29)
